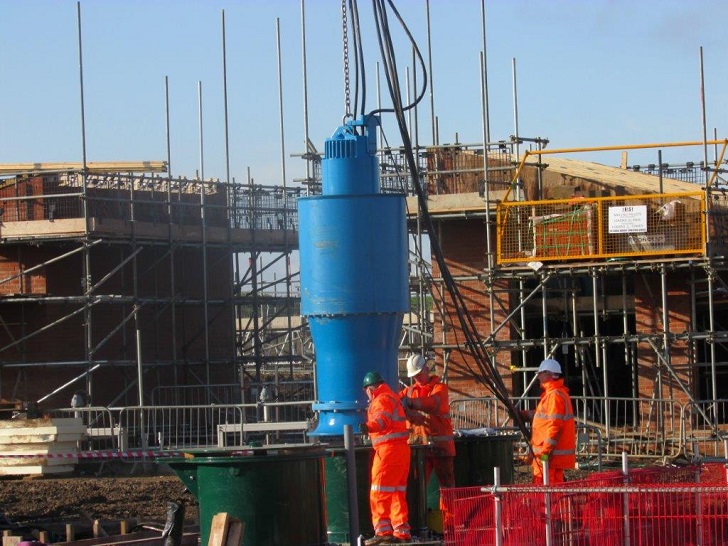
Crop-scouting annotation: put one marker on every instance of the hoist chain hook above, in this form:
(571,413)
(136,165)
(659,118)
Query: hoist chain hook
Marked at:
(347,89)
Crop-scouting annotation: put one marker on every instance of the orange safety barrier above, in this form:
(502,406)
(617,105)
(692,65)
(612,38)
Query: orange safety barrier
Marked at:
(601,227)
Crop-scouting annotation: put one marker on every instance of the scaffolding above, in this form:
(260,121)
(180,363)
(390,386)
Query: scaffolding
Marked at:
(172,278)
(626,288)
(182,289)
(125,283)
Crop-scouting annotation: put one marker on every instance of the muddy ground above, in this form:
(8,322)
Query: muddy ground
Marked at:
(114,492)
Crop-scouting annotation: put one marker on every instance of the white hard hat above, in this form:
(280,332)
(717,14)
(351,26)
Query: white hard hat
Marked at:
(550,365)
(415,364)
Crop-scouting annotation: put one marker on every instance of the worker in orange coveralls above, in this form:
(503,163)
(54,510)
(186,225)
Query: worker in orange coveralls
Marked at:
(553,429)
(427,405)
(387,428)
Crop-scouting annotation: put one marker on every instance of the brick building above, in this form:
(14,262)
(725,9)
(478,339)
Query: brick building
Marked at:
(628,314)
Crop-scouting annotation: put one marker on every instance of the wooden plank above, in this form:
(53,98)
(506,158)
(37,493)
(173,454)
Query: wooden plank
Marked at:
(38,470)
(219,529)
(235,532)
(91,166)
(9,463)
(49,430)
(38,448)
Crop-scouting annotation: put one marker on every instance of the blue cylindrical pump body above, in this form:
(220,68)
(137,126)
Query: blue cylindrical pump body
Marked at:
(354,275)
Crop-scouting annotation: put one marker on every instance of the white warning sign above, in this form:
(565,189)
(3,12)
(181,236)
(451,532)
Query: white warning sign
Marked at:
(632,219)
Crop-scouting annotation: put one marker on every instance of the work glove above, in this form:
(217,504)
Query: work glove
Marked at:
(407,402)
(525,414)
(415,417)
(363,428)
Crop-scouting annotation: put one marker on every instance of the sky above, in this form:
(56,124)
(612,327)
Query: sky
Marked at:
(587,73)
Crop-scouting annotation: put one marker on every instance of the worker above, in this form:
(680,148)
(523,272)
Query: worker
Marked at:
(427,406)
(553,429)
(386,425)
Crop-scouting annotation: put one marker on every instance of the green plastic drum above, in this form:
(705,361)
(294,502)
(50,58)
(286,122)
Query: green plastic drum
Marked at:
(477,456)
(337,493)
(279,495)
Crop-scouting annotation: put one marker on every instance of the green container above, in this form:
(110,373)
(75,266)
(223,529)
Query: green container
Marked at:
(337,493)
(279,495)
(477,456)
(433,493)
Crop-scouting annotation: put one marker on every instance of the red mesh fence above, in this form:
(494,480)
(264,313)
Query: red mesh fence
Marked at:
(651,506)
(714,473)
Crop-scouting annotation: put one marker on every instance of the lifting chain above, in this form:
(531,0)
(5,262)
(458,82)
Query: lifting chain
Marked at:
(345,33)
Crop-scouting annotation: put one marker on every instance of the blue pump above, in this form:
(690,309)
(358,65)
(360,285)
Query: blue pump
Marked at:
(354,275)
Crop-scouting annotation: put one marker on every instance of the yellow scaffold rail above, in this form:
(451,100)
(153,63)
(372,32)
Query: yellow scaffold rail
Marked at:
(601,227)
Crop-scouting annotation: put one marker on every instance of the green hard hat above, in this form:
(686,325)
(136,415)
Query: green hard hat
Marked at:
(372,378)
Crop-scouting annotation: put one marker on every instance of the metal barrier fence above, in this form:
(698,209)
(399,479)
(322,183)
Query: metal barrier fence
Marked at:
(176,427)
(646,428)
(102,430)
(705,426)
(191,426)
(601,227)
(606,427)
(200,426)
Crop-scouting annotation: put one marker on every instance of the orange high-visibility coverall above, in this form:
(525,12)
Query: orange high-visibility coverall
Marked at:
(387,426)
(553,432)
(433,426)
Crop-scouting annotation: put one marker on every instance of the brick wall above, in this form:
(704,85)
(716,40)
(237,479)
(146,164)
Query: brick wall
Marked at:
(463,245)
(649,320)
(65,340)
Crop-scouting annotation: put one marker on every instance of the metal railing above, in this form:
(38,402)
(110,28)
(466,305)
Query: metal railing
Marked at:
(102,429)
(225,425)
(152,199)
(648,429)
(601,227)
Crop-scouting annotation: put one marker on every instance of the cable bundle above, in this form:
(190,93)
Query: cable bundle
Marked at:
(486,373)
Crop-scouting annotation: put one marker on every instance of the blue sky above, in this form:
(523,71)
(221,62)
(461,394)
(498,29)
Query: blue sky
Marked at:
(589,73)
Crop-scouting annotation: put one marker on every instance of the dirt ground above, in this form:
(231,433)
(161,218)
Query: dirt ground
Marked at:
(110,493)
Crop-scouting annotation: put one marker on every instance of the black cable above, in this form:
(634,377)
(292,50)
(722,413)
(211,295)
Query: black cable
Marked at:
(487,374)
(418,53)
(358,57)
(383,34)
